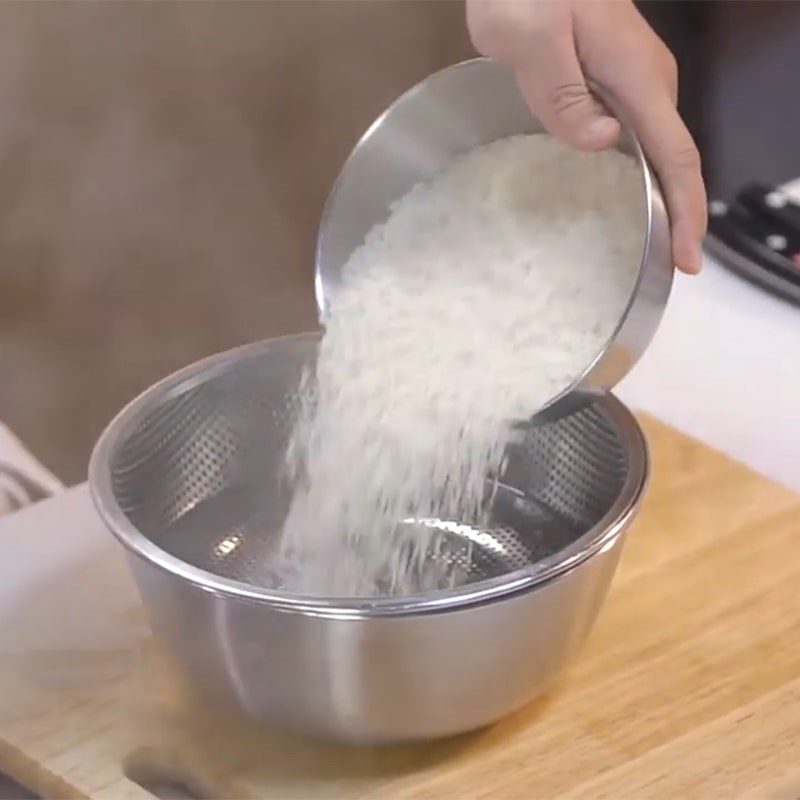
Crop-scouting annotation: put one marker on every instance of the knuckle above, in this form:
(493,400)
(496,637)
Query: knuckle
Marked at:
(685,159)
(670,72)
(510,29)
(485,26)
(494,27)
(670,67)
(568,96)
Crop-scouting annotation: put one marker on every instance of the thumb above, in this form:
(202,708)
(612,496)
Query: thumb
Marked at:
(552,82)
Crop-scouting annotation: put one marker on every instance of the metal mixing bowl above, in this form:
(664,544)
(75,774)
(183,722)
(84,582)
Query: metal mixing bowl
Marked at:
(188,478)
(448,114)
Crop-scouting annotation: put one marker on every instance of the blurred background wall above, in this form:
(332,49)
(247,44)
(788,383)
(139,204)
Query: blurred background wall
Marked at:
(162,170)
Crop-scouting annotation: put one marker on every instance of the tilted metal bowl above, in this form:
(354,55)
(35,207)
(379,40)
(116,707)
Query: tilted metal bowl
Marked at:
(445,116)
(189,479)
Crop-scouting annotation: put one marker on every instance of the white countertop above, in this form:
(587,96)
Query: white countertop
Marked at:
(724,367)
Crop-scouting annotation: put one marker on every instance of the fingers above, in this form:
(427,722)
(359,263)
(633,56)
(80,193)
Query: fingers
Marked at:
(641,73)
(551,79)
(542,42)
(673,154)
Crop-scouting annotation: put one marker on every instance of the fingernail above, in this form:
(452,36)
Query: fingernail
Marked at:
(696,258)
(691,258)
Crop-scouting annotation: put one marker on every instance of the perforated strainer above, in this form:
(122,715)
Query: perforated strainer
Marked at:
(188,478)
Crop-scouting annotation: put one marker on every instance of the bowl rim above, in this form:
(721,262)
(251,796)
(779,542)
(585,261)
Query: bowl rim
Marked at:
(599,538)
(583,389)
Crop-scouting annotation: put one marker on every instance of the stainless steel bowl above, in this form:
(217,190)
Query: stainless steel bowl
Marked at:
(188,478)
(448,114)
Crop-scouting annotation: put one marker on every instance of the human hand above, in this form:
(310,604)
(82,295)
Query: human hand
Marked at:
(559,48)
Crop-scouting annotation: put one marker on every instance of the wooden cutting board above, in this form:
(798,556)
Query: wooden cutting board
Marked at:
(689,686)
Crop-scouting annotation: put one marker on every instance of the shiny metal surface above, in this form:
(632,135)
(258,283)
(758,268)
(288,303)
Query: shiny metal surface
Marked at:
(188,479)
(446,115)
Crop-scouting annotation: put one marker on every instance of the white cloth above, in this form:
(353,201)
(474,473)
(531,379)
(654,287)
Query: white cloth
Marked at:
(23,480)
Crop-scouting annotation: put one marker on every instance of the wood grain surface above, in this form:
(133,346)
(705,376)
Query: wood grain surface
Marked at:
(689,686)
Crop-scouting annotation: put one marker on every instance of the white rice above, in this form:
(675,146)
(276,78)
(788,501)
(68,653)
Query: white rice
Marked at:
(482,297)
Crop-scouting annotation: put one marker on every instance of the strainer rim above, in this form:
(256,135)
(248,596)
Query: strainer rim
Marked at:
(598,538)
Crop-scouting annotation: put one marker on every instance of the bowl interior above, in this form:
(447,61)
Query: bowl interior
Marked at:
(195,468)
(445,116)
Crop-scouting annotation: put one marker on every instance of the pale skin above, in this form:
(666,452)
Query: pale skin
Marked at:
(558,49)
